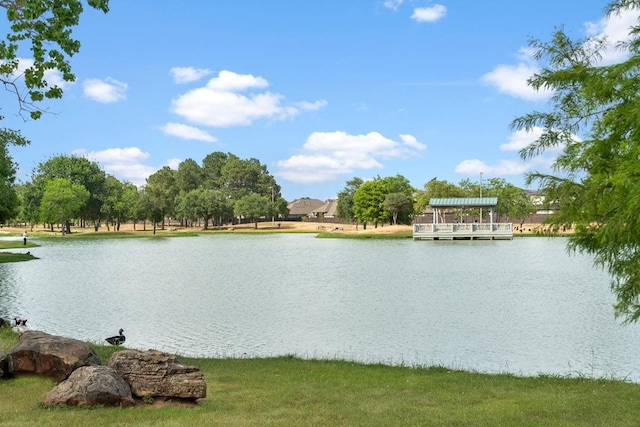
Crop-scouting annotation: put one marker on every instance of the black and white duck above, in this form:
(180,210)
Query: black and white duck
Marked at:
(21,324)
(118,339)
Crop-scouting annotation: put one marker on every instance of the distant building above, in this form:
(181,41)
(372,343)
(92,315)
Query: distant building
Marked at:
(327,210)
(537,197)
(303,208)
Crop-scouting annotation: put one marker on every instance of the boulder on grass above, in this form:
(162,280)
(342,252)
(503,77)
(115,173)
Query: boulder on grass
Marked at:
(152,373)
(91,386)
(50,355)
(4,365)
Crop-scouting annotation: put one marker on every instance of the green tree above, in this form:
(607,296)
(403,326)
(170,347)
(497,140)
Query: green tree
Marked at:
(189,175)
(368,202)
(78,170)
(30,198)
(62,201)
(345,200)
(112,194)
(399,185)
(126,206)
(396,203)
(513,202)
(161,190)
(253,207)
(150,206)
(9,201)
(437,189)
(242,177)
(45,28)
(212,166)
(593,120)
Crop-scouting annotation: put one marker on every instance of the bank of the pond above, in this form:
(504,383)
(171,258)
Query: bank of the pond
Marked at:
(288,391)
(15,256)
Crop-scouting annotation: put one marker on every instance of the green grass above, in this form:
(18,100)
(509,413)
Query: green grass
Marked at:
(15,257)
(381,236)
(288,391)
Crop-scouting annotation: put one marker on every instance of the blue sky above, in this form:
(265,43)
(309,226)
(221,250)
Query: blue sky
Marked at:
(318,91)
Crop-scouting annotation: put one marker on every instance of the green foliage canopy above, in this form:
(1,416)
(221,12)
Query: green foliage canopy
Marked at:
(593,120)
(45,26)
(62,201)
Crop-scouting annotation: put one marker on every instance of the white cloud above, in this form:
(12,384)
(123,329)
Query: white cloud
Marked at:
(429,14)
(311,106)
(502,168)
(126,164)
(188,74)
(614,29)
(106,91)
(516,142)
(411,141)
(173,163)
(219,103)
(228,81)
(521,139)
(187,132)
(512,79)
(392,4)
(327,155)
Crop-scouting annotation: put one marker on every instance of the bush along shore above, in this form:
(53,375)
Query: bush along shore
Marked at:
(289,391)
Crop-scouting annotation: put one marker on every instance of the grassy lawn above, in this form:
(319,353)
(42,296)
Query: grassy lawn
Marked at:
(15,257)
(289,391)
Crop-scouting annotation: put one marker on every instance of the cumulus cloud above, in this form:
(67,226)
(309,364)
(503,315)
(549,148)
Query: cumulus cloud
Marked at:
(173,163)
(521,139)
(105,91)
(507,167)
(501,168)
(327,155)
(429,14)
(187,132)
(232,99)
(126,164)
(188,74)
(615,29)
(512,79)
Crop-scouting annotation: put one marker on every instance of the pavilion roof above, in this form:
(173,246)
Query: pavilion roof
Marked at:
(463,202)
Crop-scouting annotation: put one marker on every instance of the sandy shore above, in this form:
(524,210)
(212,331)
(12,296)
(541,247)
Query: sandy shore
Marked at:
(284,226)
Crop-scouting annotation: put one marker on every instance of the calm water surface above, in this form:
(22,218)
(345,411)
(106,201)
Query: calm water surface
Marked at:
(521,306)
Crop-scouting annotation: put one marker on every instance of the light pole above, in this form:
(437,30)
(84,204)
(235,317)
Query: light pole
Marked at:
(481,197)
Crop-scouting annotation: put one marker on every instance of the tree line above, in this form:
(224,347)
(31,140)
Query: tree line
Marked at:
(392,199)
(66,189)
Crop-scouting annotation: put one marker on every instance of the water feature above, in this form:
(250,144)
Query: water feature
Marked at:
(522,306)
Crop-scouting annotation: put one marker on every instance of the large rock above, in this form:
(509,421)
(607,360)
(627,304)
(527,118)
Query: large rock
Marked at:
(91,386)
(156,374)
(4,365)
(50,355)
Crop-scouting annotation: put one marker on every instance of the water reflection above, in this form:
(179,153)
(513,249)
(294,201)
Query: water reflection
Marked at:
(521,306)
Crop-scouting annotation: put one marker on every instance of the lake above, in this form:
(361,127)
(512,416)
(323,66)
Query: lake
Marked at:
(522,306)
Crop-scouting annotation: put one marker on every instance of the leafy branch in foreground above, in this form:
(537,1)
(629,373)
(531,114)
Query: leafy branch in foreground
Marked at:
(45,26)
(596,180)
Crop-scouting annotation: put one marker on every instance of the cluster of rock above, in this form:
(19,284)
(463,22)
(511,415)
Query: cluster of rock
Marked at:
(84,381)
